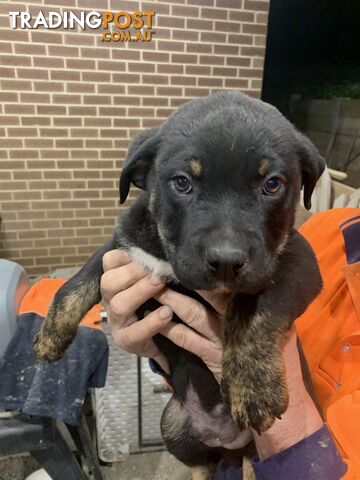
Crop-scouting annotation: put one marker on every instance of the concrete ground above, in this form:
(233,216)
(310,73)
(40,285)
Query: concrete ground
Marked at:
(143,466)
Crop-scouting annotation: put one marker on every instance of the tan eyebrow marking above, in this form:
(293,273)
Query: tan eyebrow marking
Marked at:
(264,166)
(196,167)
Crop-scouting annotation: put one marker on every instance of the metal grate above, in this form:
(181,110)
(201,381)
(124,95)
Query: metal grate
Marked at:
(128,409)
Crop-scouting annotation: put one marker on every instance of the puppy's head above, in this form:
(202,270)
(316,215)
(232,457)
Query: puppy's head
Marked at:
(223,176)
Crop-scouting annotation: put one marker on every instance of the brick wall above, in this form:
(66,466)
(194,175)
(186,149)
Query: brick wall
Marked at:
(70,104)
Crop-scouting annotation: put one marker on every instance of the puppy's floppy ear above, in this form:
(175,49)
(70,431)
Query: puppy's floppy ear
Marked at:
(139,159)
(312,166)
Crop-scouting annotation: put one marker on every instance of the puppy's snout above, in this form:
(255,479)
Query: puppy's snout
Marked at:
(225,262)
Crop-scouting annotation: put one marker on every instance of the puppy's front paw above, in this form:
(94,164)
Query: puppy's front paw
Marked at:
(256,410)
(48,348)
(255,391)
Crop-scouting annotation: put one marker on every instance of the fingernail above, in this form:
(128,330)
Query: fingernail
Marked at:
(155,280)
(165,313)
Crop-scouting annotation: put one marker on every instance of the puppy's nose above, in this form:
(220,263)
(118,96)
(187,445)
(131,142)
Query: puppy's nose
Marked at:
(225,262)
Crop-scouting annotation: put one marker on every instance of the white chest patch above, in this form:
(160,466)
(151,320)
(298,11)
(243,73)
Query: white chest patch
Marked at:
(155,266)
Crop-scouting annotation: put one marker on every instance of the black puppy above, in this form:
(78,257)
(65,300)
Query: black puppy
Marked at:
(222,179)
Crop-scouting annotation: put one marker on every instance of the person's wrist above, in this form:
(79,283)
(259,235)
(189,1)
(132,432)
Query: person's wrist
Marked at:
(300,420)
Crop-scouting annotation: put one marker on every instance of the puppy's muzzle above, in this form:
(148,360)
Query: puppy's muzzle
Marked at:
(225,262)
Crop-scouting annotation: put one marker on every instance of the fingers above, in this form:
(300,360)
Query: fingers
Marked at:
(123,304)
(115,258)
(119,279)
(193,313)
(186,338)
(138,333)
(219,301)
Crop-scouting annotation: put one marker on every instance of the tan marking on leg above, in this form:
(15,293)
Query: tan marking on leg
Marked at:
(248,471)
(203,472)
(253,382)
(196,167)
(264,166)
(61,323)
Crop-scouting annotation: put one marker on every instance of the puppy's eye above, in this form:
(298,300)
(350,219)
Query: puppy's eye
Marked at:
(181,184)
(272,186)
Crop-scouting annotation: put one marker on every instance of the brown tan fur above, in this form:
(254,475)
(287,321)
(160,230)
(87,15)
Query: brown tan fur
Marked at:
(247,470)
(62,322)
(253,373)
(264,167)
(196,167)
(202,473)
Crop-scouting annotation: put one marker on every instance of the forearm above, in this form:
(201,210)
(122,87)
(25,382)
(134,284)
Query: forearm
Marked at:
(313,458)
(300,420)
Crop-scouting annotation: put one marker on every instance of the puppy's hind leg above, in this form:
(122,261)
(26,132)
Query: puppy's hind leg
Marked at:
(248,471)
(71,302)
(205,472)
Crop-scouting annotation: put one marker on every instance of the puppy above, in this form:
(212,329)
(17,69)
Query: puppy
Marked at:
(221,179)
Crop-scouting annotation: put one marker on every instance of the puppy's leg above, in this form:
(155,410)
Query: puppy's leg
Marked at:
(175,429)
(248,471)
(205,472)
(71,302)
(253,380)
(254,332)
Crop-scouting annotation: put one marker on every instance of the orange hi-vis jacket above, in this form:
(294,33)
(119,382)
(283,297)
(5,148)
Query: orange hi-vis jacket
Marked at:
(329,330)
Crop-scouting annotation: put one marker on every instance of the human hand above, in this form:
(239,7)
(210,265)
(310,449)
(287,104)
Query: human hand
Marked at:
(203,338)
(125,286)
(301,419)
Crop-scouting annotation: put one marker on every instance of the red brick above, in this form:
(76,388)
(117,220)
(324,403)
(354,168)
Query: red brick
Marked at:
(253,51)
(32,73)
(185,11)
(38,36)
(185,35)
(80,88)
(111,65)
(212,60)
(53,132)
(254,29)
(96,77)
(76,39)
(256,5)
(241,39)
(172,22)
(7,73)
(35,120)
(64,75)
(198,48)
(6,47)
(96,99)
(211,13)
(183,58)
(22,132)
(6,121)
(79,64)
(68,99)
(48,86)
(199,24)
(48,62)
(17,85)
(15,61)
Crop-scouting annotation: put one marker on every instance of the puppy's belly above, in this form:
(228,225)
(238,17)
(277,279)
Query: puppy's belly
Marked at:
(215,428)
